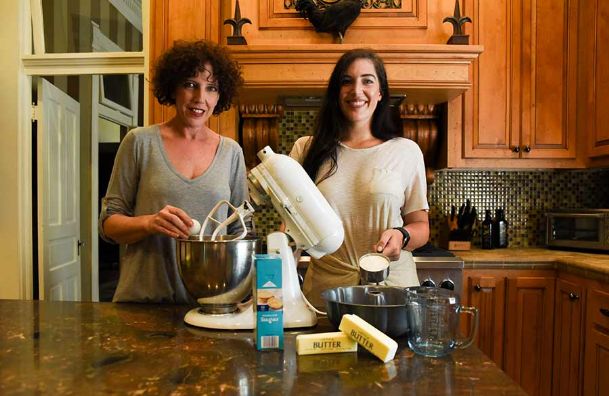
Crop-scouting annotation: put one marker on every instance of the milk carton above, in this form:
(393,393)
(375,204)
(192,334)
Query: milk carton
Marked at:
(268,302)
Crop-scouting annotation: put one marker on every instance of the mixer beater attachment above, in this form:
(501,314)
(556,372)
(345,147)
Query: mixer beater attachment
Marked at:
(239,213)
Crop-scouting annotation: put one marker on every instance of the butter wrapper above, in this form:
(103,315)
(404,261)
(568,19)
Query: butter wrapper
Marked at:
(311,344)
(369,337)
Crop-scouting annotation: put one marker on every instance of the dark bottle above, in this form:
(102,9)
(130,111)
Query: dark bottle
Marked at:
(487,231)
(500,233)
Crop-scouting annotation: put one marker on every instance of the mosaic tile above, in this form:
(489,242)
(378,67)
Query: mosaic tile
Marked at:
(525,196)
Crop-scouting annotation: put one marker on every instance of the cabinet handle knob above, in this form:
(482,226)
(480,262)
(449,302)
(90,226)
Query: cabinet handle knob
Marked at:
(527,149)
(516,149)
(605,311)
(573,296)
(478,287)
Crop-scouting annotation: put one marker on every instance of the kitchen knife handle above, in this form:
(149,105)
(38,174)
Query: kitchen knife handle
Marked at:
(605,311)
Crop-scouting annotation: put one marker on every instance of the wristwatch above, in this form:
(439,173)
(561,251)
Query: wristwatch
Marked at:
(405,234)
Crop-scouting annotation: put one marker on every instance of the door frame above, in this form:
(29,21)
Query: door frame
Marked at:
(43,64)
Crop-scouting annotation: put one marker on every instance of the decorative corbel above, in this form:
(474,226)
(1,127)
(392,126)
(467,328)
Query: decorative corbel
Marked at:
(259,128)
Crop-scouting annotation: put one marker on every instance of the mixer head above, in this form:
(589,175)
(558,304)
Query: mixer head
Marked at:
(310,220)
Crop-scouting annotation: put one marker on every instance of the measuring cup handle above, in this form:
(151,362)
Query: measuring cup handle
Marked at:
(473,330)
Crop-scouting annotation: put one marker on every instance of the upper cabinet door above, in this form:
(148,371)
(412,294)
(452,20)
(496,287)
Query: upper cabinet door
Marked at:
(548,82)
(523,102)
(593,99)
(491,130)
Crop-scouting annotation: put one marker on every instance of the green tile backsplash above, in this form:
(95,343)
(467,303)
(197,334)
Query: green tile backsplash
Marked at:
(524,194)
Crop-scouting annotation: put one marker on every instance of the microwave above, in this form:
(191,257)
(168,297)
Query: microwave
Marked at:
(586,229)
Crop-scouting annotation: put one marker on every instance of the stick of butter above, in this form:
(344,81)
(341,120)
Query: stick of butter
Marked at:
(310,344)
(368,336)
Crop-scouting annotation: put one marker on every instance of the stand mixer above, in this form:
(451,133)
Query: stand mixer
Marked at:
(309,220)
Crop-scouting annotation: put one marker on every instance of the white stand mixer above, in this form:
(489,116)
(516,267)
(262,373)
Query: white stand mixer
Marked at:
(309,220)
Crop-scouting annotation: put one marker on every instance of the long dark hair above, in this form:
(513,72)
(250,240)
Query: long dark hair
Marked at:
(331,122)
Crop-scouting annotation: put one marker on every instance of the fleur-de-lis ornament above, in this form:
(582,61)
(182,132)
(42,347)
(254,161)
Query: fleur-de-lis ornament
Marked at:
(237,23)
(457,21)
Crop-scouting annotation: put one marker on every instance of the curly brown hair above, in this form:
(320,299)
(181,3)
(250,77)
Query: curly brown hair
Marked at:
(185,59)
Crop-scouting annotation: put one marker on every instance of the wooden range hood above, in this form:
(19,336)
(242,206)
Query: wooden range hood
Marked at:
(425,73)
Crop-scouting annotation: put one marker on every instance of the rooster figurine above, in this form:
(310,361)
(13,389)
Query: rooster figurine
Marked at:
(335,18)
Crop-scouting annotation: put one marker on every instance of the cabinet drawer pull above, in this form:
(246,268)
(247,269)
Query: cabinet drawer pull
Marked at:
(478,287)
(527,149)
(516,149)
(605,311)
(573,296)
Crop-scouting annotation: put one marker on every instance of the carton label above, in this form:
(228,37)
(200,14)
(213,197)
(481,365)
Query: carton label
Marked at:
(268,295)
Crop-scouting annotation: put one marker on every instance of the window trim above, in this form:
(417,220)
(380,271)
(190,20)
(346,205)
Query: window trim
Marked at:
(85,63)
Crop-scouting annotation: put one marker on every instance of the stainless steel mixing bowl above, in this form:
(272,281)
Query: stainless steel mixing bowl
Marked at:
(384,307)
(218,274)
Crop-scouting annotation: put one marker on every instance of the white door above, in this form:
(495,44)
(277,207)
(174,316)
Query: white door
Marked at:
(58,194)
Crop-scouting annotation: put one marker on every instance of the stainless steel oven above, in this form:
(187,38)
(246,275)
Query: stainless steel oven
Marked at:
(578,229)
(445,272)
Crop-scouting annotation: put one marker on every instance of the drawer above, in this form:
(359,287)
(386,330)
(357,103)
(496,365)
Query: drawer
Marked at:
(598,308)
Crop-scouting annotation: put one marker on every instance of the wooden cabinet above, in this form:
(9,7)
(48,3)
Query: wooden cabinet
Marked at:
(529,327)
(569,313)
(516,309)
(547,329)
(593,74)
(521,110)
(485,290)
(596,357)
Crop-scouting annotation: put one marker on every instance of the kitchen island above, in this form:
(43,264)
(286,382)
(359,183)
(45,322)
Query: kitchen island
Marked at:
(108,348)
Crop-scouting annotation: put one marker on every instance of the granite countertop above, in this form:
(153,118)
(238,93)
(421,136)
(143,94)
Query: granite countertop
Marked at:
(588,264)
(76,348)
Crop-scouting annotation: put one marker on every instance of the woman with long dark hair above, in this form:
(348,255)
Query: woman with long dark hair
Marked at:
(373,178)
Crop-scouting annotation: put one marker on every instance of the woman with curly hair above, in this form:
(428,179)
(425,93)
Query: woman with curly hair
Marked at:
(166,175)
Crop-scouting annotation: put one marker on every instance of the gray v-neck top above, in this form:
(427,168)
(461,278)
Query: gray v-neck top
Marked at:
(143,181)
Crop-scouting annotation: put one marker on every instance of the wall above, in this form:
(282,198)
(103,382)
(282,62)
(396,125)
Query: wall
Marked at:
(14,165)
(525,195)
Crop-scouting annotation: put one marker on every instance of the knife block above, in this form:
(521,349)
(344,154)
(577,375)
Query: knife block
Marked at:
(459,245)
(447,242)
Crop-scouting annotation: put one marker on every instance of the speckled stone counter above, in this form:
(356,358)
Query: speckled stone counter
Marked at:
(105,348)
(590,265)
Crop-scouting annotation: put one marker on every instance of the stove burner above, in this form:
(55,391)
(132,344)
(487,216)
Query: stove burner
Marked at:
(429,250)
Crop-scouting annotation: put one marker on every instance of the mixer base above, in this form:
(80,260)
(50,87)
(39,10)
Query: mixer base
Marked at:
(241,320)
(298,316)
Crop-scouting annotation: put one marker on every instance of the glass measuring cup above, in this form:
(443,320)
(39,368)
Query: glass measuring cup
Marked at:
(433,317)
